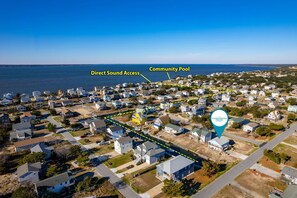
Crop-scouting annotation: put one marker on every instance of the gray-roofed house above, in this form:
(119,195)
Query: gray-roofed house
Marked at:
(29,172)
(149,152)
(201,135)
(115,132)
(123,145)
(289,192)
(250,127)
(220,144)
(240,121)
(21,131)
(161,121)
(27,144)
(98,126)
(198,110)
(290,174)
(42,147)
(55,183)
(176,168)
(174,129)
(292,108)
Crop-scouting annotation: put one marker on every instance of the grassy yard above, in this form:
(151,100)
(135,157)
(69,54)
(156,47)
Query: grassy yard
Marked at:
(91,139)
(143,182)
(79,133)
(200,176)
(292,152)
(281,148)
(119,160)
(57,119)
(291,140)
(100,150)
(264,161)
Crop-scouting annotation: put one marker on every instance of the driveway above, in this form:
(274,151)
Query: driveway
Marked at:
(155,191)
(230,175)
(121,186)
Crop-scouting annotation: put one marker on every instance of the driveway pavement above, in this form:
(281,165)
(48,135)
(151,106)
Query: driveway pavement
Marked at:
(266,171)
(230,175)
(123,188)
(155,191)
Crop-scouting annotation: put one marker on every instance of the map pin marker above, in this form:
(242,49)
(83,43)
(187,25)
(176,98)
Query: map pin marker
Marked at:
(219,119)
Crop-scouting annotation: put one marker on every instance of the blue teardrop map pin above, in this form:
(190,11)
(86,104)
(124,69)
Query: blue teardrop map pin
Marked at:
(219,119)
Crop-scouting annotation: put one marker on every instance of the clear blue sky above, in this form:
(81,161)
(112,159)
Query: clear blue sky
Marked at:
(154,31)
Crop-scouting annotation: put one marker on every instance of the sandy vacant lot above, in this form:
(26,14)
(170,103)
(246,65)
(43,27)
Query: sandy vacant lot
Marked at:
(259,183)
(184,141)
(8,184)
(231,192)
(243,147)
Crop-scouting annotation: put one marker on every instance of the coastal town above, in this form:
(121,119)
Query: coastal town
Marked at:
(154,139)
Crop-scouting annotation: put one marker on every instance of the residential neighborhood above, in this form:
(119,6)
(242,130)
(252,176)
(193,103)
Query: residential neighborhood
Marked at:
(79,143)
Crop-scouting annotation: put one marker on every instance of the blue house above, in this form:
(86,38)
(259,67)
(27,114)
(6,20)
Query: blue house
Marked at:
(176,168)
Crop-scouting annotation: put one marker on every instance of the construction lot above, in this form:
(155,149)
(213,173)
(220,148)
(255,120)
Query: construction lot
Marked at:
(202,149)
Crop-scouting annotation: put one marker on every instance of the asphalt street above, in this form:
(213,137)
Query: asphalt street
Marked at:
(230,175)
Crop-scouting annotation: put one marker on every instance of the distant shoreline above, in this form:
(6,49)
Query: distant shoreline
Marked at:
(58,65)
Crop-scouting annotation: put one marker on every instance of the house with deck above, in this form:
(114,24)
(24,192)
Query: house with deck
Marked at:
(175,168)
(219,144)
(201,135)
(149,152)
(115,132)
(290,174)
(174,129)
(97,126)
(123,145)
(55,183)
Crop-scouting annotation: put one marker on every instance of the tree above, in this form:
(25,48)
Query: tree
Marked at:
(210,168)
(276,127)
(3,134)
(4,164)
(172,188)
(24,192)
(67,152)
(75,151)
(276,157)
(53,112)
(51,127)
(173,109)
(291,117)
(235,125)
(263,131)
(83,159)
(84,185)
(192,102)
(292,101)
(53,170)
(32,158)
(241,103)
(36,113)
(66,122)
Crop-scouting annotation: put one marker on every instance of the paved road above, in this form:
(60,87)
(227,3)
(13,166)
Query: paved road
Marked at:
(64,132)
(243,139)
(230,175)
(121,186)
